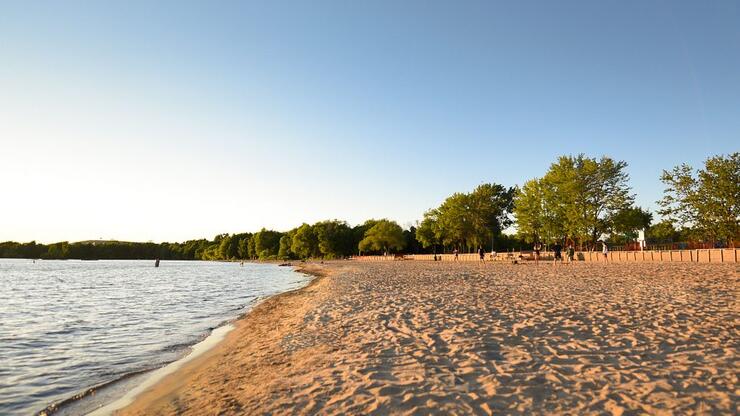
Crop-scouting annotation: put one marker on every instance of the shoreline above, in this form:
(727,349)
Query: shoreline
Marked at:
(200,351)
(420,338)
(109,396)
(156,375)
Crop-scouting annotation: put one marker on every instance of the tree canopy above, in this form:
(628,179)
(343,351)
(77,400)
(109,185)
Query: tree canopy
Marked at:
(577,199)
(384,236)
(707,202)
(468,220)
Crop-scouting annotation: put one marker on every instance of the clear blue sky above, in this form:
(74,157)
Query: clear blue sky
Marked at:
(176,120)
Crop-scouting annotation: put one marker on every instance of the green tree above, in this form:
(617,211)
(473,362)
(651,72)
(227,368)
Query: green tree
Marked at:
(285,242)
(580,196)
(708,203)
(252,248)
(242,247)
(335,238)
(358,231)
(224,248)
(468,220)
(267,243)
(428,233)
(530,212)
(663,232)
(412,244)
(58,251)
(627,222)
(454,220)
(305,243)
(384,236)
(490,206)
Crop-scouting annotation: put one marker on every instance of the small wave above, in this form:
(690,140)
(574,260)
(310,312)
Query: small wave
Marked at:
(55,407)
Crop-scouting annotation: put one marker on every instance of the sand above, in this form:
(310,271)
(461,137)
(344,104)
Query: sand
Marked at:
(424,337)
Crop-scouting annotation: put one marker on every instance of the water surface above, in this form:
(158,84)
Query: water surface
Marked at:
(66,326)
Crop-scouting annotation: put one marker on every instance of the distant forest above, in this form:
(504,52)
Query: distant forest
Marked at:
(580,200)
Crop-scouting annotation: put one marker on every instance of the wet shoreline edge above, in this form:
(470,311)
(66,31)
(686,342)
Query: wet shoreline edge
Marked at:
(146,374)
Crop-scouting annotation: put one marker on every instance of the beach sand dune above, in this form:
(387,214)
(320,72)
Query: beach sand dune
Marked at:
(425,337)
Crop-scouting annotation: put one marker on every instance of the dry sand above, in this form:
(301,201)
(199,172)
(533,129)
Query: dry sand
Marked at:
(423,337)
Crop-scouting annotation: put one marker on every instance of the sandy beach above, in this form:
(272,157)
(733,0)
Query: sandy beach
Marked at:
(453,338)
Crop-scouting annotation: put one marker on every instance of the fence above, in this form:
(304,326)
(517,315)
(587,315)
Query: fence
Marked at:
(686,245)
(717,255)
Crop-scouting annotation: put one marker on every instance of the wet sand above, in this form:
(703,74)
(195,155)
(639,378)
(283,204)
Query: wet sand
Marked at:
(463,338)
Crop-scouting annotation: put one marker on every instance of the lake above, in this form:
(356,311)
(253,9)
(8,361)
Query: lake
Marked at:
(67,326)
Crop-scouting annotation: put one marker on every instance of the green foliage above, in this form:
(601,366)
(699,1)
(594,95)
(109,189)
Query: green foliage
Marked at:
(627,222)
(412,244)
(267,244)
(429,233)
(242,245)
(251,249)
(284,252)
(58,251)
(468,220)
(305,243)
(383,237)
(534,221)
(708,203)
(358,232)
(335,239)
(224,248)
(663,232)
(577,199)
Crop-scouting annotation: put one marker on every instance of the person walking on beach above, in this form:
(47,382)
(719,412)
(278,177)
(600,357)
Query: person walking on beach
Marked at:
(481,254)
(605,251)
(571,253)
(455,253)
(558,249)
(537,248)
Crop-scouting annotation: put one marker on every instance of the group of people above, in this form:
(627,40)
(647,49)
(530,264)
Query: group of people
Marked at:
(570,252)
(558,253)
(557,249)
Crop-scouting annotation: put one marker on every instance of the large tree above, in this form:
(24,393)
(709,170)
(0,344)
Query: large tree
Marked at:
(242,249)
(708,202)
(335,238)
(490,209)
(305,243)
(627,222)
(468,220)
(286,241)
(224,248)
(576,199)
(454,220)
(358,231)
(428,233)
(267,243)
(384,236)
(663,232)
(529,211)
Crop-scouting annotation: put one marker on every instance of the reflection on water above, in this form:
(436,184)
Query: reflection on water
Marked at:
(68,325)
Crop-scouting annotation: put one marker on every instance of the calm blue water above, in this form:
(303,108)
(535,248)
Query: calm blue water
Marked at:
(69,325)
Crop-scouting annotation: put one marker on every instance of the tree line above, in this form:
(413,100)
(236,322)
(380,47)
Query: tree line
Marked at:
(579,200)
(331,239)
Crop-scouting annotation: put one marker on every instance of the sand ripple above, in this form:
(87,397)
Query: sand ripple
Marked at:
(424,337)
